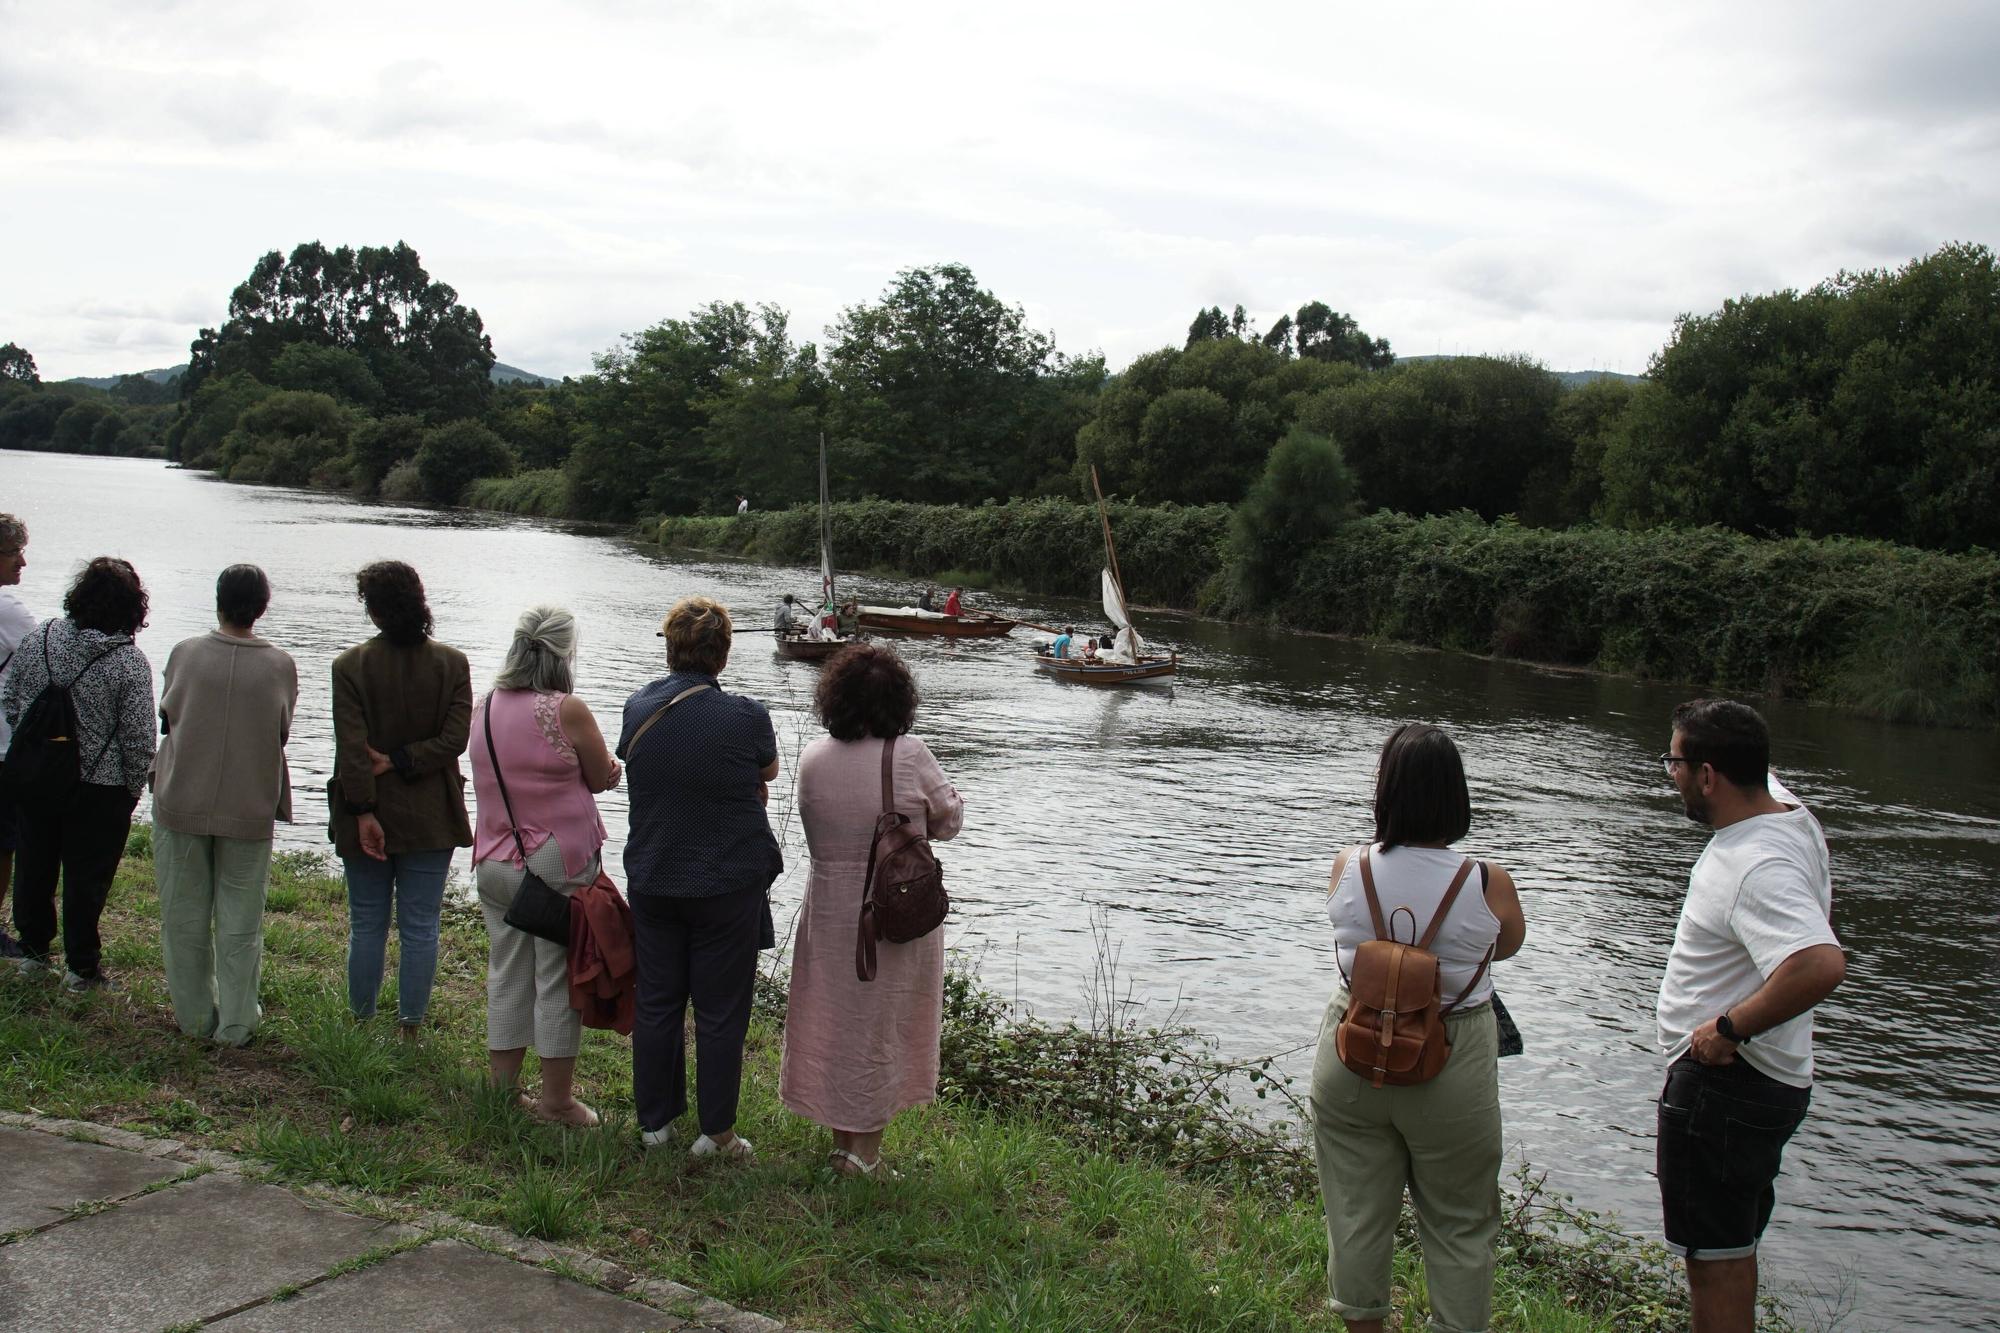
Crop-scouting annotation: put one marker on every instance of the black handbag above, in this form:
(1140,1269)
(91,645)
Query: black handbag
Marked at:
(537,908)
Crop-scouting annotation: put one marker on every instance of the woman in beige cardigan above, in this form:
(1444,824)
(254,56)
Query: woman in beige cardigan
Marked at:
(219,785)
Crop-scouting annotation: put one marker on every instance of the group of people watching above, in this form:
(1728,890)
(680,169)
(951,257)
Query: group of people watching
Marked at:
(700,856)
(1753,954)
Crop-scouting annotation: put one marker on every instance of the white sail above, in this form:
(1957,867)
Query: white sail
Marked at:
(1114,605)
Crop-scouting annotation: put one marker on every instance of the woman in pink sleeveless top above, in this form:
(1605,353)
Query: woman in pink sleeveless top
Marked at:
(554,760)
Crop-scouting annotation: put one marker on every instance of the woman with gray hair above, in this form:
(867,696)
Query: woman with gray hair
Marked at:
(552,758)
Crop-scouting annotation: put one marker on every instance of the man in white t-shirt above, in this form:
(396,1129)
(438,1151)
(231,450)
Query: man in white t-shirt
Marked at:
(15,622)
(742,505)
(1754,952)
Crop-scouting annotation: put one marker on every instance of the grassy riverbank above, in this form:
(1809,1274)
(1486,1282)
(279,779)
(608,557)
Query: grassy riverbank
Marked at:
(1887,631)
(1070,1179)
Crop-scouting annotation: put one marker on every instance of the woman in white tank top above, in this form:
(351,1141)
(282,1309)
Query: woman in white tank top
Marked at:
(1441,1138)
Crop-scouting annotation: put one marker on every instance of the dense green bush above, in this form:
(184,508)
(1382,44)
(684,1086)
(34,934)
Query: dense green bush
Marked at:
(542,493)
(1895,631)
(1168,554)
(453,457)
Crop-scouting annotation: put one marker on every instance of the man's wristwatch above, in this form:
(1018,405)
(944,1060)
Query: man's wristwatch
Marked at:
(1728,1029)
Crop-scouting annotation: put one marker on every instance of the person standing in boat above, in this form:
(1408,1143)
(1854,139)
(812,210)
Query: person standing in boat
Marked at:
(953,606)
(788,616)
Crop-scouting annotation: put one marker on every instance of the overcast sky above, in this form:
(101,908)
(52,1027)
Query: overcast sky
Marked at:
(1550,179)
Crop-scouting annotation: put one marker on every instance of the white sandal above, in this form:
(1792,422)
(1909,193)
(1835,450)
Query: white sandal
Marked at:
(850,1164)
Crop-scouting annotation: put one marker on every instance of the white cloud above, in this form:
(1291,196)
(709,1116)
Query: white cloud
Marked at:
(1559,180)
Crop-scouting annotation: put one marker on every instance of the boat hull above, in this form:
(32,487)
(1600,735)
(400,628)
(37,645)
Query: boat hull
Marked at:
(1152,671)
(947,627)
(811,650)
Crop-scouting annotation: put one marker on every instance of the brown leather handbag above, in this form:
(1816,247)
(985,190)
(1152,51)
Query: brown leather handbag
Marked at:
(903,897)
(1393,1031)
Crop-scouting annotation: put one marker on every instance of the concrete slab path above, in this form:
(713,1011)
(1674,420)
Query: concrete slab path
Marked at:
(124,1233)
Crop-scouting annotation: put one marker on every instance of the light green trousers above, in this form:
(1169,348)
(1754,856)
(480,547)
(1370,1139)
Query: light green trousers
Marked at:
(212,929)
(1439,1139)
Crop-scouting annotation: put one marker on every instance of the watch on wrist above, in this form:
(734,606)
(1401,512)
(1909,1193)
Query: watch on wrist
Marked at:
(1728,1029)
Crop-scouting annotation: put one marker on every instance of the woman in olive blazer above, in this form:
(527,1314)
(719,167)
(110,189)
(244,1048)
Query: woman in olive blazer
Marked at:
(402,711)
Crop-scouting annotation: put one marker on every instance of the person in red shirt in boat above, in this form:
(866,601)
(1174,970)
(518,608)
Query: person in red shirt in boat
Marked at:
(952,605)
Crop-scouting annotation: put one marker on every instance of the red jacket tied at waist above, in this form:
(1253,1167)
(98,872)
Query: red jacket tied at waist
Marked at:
(603,971)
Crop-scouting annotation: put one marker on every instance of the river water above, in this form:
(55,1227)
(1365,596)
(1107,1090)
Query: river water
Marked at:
(1190,831)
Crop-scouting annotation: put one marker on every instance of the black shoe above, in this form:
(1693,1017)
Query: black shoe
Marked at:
(10,947)
(95,981)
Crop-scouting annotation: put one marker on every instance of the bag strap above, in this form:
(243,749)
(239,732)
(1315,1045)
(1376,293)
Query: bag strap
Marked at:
(632,746)
(508,805)
(1485,962)
(888,778)
(1444,905)
(1368,887)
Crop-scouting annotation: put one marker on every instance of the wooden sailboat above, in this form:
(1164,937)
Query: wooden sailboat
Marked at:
(1142,668)
(804,645)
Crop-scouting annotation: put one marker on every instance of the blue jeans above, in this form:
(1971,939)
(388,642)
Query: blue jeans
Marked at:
(414,883)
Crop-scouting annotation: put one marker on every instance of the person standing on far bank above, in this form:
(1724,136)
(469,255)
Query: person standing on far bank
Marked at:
(1753,954)
(402,713)
(15,623)
(220,784)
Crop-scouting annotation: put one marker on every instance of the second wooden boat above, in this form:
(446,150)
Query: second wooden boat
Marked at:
(806,645)
(1128,662)
(909,620)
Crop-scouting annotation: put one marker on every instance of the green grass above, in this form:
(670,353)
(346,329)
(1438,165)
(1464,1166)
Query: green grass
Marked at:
(1003,1220)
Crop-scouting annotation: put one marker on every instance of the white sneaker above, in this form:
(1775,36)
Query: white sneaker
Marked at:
(738,1149)
(650,1139)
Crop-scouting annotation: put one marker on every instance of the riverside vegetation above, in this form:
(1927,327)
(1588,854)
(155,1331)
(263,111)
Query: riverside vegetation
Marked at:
(1073,1176)
(1573,519)
(1892,631)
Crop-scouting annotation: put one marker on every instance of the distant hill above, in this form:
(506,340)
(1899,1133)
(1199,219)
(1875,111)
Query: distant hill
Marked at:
(501,374)
(1571,379)
(505,374)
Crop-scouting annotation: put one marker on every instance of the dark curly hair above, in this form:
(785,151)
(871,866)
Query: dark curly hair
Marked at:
(394,596)
(107,596)
(866,691)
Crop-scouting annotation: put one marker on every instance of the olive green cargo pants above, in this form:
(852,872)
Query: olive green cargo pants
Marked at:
(1439,1139)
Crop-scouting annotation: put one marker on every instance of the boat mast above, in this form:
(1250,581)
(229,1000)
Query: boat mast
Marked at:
(825,533)
(1111,552)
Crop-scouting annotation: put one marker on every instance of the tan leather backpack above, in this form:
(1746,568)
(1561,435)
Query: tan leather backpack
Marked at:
(1393,1031)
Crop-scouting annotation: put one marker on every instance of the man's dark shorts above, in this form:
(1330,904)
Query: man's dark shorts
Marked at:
(1722,1136)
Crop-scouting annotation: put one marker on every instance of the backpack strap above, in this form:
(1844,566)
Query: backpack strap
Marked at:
(889,776)
(1485,962)
(1368,887)
(1444,905)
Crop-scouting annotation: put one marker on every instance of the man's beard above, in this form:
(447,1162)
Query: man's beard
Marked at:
(1696,809)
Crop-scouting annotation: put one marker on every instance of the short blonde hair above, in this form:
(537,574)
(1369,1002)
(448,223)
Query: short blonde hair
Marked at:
(697,632)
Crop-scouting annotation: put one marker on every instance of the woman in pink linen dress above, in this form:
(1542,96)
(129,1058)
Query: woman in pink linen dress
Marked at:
(857,1052)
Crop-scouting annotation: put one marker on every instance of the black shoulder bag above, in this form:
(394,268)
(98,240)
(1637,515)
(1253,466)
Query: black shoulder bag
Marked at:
(537,908)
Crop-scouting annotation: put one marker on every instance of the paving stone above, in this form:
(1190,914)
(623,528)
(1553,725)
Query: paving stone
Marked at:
(196,1250)
(46,1174)
(448,1285)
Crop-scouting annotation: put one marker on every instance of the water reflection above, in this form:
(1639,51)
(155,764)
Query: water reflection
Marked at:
(1201,821)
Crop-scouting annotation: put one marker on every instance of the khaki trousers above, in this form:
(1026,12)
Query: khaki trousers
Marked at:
(1439,1139)
(212,929)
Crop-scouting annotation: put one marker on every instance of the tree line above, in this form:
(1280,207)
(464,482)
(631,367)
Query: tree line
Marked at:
(1865,406)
